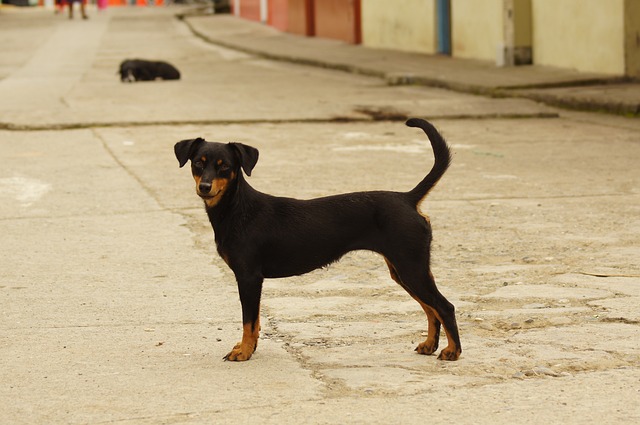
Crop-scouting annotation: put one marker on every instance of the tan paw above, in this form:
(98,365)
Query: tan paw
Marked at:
(241,352)
(238,355)
(449,354)
(427,347)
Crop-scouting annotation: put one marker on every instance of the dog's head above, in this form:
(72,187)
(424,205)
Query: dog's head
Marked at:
(127,71)
(215,166)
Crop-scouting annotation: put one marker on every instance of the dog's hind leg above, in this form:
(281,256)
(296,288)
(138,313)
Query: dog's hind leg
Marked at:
(430,345)
(421,286)
(444,312)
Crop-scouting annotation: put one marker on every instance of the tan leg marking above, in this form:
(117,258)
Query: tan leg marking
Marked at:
(430,345)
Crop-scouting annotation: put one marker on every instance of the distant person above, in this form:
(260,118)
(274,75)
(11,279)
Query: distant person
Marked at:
(59,6)
(83,11)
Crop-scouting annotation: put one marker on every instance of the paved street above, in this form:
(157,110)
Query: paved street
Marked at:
(115,308)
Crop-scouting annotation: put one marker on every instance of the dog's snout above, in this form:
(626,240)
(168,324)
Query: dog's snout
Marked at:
(204,187)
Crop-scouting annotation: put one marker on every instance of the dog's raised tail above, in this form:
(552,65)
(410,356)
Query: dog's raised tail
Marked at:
(442,156)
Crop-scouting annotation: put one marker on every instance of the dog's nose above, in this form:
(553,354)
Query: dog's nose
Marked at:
(204,187)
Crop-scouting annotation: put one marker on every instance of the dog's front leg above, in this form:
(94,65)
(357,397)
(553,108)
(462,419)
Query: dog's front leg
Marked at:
(250,290)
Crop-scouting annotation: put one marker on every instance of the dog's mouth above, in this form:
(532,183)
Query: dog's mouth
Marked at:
(208,196)
(211,193)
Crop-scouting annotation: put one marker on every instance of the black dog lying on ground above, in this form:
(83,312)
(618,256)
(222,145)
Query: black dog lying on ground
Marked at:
(262,236)
(143,70)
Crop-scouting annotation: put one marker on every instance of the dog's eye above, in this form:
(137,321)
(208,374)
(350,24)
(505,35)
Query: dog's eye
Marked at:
(199,165)
(223,167)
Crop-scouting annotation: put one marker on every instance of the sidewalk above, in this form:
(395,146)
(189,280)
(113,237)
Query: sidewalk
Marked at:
(554,86)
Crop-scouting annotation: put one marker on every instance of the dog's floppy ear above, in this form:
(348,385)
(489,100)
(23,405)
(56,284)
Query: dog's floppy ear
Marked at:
(185,148)
(248,156)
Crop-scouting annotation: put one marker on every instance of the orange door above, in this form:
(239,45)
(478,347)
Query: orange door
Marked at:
(300,16)
(338,19)
(250,9)
(279,14)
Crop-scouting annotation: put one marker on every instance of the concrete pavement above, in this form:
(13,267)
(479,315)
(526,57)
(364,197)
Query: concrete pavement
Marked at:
(115,308)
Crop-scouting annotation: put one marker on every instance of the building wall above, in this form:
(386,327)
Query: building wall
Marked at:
(408,25)
(477,28)
(587,35)
(601,36)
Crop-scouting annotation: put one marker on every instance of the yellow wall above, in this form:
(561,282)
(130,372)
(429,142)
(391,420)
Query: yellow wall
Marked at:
(477,28)
(586,35)
(399,24)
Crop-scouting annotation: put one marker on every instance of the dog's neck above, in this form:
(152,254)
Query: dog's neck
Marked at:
(234,208)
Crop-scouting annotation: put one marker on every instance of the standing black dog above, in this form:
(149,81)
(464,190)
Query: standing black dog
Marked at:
(262,236)
(143,70)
